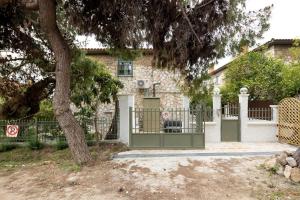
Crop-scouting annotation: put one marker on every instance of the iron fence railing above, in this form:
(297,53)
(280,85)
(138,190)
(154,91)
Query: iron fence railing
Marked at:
(230,111)
(208,114)
(48,130)
(151,120)
(26,130)
(260,114)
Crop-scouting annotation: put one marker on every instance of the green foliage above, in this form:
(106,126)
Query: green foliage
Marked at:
(185,35)
(89,138)
(91,143)
(91,82)
(61,144)
(276,195)
(7,146)
(262,75)
(266,78)
(46,110)
(34,144)
(291,79)
(70,167)
(274,169)
(199,91)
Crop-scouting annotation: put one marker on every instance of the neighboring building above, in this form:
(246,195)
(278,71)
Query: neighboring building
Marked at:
(139,78)
(278,48)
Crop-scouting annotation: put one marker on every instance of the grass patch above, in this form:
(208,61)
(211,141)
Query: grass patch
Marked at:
(274,169)
(61,144)
(24,156)
(63,159)
(70,167)
(7,147)
(276,195)
(35,144)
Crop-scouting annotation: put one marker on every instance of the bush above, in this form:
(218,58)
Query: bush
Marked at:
(7,147)
(90,140)
(61,144)
(35,144)
(91,143)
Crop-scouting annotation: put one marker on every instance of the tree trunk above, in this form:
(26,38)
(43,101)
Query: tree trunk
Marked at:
(97,120)
(113,129)
(73,132)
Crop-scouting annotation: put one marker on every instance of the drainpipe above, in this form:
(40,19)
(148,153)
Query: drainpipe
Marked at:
(154,86)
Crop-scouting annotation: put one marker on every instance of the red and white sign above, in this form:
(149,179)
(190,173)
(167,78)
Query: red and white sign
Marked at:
(12,130)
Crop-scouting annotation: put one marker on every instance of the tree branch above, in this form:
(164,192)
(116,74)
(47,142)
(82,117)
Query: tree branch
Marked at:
(28,4)
(189,21)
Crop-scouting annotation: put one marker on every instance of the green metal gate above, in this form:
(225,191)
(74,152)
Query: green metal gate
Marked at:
(230,123)
(173,128)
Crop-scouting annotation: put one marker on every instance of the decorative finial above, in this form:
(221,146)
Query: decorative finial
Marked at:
(243,90)
(216,91)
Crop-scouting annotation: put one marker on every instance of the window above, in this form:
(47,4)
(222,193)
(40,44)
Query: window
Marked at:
(125,68)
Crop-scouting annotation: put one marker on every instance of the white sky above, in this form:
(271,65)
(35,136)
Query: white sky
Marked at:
(284,22)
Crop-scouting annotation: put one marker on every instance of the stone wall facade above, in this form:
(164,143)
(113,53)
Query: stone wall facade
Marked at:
(168,90)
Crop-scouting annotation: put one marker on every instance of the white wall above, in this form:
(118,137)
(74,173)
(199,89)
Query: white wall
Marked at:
(125,101)
(260,131)
(212,132)
(251,130)
(257,130)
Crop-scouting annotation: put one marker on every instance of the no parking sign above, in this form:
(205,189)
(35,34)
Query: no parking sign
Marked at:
(12,130)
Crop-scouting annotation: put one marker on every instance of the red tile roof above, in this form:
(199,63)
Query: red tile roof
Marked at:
(104,51)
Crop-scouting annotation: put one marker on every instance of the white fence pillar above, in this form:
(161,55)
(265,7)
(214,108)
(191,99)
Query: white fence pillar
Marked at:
(217,105)
(186,113)
(213,129)
(125,101)
(243,100)
(274,113)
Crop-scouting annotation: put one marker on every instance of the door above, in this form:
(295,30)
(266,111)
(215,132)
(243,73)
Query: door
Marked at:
(230,123)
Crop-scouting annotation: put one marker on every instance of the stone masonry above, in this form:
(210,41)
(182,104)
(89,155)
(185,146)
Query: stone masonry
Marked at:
(168,90)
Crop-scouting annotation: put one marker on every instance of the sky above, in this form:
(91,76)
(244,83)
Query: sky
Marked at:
(284,19)
(284,23)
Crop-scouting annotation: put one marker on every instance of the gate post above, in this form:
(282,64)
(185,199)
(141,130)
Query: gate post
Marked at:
(186,114)
(274,113)
(217,115)
(125,102)
(243,116)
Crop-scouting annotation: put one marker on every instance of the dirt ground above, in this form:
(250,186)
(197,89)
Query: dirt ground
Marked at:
(239,178)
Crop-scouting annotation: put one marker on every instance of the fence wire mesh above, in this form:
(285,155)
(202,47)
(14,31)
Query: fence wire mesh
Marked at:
(49,131)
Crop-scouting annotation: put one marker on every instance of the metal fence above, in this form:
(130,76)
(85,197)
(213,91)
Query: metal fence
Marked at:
(26,130)
(230,111)
(49,131)
(208,114)
(260,114)
(147,120)
(166,128)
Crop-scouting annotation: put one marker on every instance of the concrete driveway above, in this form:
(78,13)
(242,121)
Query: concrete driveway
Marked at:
(223,149)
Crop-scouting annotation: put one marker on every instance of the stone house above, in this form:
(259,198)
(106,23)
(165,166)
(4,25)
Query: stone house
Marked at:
(141,79)
(278,48)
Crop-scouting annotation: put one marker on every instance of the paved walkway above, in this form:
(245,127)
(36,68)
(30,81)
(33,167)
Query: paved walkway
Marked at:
(226,149)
